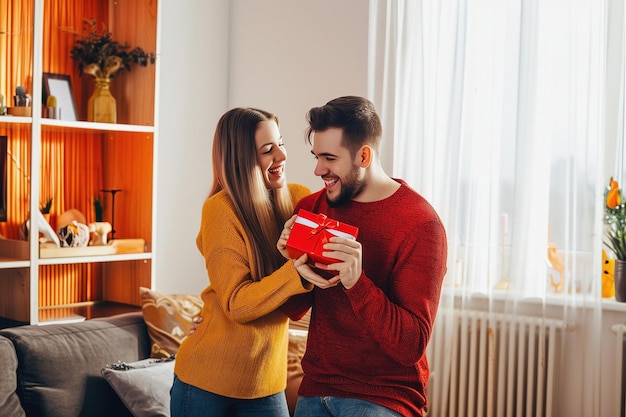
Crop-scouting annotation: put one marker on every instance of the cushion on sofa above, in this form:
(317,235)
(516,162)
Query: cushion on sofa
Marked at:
(144,386)
(169,318)
(59,371)
(297,346)
(9,401)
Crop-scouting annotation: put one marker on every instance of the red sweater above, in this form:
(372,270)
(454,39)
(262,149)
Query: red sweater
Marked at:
(369,342)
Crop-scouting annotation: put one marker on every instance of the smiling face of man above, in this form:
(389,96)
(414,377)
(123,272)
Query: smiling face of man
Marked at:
(341,172)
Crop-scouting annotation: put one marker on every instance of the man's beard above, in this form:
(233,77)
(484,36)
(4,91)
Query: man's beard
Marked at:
(351,186)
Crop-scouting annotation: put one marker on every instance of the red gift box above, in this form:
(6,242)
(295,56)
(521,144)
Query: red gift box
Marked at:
(311,231)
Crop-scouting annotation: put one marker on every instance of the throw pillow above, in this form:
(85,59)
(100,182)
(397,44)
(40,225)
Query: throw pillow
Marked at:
(168,318)
(297,346)
(143,386)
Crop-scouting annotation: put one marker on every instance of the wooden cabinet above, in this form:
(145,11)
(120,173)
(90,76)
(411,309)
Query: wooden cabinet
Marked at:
(75,163)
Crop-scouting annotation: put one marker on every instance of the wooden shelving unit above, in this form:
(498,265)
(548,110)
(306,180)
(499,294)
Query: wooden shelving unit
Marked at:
(73,161)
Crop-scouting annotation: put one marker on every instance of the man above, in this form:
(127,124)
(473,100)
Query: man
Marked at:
(370,323)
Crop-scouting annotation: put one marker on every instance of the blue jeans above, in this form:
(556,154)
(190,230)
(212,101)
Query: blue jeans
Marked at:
(189,401)
(340,407)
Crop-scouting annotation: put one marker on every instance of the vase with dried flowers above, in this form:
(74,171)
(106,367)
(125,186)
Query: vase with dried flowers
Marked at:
(98,55)
(615,232)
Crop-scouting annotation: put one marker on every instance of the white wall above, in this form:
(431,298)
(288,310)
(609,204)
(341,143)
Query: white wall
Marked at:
(289,56)
(283,56)
(193,94)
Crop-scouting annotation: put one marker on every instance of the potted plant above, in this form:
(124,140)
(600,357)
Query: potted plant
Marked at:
(102,57)
(46,207)
(98,209)
(615,234)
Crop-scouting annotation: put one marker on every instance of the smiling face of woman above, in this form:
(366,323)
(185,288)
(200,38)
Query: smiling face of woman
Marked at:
(271,154)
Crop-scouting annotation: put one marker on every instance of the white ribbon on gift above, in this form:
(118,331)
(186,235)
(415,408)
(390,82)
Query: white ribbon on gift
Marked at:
(313,225)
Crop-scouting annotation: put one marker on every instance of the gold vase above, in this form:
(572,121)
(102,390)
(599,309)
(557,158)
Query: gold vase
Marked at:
(101,105)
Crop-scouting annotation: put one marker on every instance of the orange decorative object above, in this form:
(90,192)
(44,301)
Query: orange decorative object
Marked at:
(556,262)
(608,269)
(612,197)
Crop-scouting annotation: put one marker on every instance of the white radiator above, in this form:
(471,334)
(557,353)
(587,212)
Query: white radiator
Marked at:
(487,365)
(620,382)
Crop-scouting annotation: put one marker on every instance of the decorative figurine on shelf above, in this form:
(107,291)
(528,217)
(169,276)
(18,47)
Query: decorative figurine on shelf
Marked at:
(99,229)
(53,112)
(99,232)
(103,58)
(74,234)
(20,99)
(555,261)
(21,103)
(608,271)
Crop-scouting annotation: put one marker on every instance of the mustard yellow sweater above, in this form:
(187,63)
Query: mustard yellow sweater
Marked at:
(239,349)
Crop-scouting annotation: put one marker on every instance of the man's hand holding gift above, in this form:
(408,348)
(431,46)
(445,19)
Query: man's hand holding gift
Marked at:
(324,250)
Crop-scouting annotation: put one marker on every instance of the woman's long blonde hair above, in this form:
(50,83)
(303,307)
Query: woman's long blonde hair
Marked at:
(236,170)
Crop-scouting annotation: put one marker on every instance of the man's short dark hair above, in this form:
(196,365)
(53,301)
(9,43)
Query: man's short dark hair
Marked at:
(357,118)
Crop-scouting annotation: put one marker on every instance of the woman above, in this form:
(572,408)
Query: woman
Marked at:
(235,362)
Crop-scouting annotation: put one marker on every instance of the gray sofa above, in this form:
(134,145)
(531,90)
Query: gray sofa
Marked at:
(55,370)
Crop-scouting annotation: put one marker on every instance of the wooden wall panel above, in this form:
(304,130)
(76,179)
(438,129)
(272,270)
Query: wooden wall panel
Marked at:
(135,22)
(18,178)
(16,46)
(14,294)
(122,280)
(69,284)
(129,158)
(63,20)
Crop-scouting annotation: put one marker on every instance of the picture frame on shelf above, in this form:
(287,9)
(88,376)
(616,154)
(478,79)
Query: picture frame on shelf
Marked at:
(60,86)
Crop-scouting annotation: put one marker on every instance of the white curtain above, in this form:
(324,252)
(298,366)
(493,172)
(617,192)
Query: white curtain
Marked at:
(496,112)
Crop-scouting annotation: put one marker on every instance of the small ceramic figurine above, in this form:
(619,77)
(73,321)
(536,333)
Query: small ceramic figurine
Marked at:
(74,234)
(99,232)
